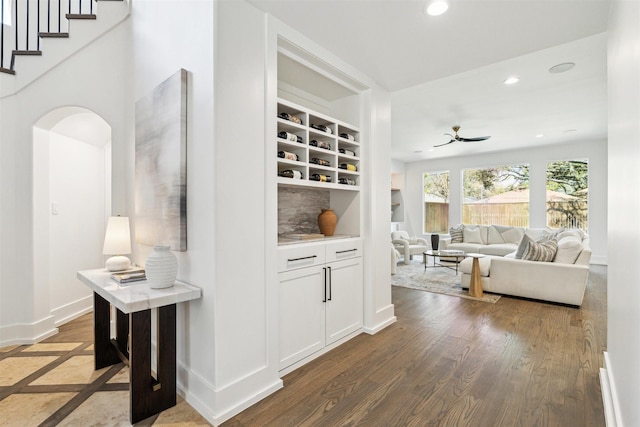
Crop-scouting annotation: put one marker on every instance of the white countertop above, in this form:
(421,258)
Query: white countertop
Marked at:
(136,296)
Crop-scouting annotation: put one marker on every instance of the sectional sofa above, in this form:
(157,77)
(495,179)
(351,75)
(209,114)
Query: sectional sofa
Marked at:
(509,269)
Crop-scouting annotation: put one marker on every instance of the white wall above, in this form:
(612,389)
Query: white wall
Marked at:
(623,297)
(76,232)
(595,151)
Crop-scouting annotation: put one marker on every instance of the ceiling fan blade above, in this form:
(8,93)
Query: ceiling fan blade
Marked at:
(446,143)
(479,138)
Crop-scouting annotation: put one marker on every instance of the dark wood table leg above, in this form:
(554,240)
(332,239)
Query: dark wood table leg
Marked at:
(104,353)
(151,395)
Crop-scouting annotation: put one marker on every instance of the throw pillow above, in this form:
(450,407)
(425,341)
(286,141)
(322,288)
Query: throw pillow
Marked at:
(549,234)
(511,234)
(522,247)
(471,235)
(456,234)
(571,232)
(568,250)
(495,237)
(541,251)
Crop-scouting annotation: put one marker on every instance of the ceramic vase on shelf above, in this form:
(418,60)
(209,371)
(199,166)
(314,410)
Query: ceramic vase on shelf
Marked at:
(161,268)
(327,221)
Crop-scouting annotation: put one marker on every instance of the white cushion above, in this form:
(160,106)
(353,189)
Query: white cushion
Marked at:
(485,265)
(498,249)
(568,250)
(472,235)
(573,232)
(511,255)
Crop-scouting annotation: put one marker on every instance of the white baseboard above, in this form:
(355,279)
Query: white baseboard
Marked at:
(27,333)
(218,405)
(383,318)
(598,259)
(73,310)
(609,396)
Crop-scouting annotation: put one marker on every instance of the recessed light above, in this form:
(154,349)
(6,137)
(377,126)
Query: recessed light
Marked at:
(511,80)
(418,151)
(539,135)
(561,68)
(436,7)
(570,130)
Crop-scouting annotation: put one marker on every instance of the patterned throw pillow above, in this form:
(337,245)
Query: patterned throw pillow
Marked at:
(456,234)
(541,251)
(522,247)
(550,234)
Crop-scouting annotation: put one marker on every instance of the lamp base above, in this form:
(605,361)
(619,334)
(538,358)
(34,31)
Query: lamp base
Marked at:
(118,263)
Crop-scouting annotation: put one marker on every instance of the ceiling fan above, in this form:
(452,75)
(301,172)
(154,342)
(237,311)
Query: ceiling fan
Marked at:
(455,137)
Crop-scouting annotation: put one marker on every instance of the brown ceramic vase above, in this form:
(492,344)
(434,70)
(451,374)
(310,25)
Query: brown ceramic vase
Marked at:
(327,222)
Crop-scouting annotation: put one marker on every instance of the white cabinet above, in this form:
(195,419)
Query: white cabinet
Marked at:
(321,302)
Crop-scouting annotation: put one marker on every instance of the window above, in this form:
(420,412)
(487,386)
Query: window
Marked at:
(6,12)
(496,196)
(436,202)
(567,194)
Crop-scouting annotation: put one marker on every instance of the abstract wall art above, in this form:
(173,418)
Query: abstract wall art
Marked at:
(161,165)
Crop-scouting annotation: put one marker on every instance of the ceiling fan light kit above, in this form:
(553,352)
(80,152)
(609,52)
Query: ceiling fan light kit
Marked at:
(436,7)
(561,68)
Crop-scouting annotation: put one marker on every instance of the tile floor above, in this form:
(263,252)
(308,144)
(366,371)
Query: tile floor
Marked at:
(53,383)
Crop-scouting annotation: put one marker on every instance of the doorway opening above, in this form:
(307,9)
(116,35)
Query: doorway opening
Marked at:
(72,201)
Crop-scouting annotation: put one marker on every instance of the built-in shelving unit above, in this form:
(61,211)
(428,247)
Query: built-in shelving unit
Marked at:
(332,155)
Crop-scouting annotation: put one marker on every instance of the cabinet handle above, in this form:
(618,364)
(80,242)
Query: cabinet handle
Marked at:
(348,250)
(329,283)
(324,297)
(300,259)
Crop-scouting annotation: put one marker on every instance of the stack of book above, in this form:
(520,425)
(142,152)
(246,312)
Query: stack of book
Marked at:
(133,275)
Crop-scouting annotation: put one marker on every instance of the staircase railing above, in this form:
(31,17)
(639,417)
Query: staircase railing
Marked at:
(25,22)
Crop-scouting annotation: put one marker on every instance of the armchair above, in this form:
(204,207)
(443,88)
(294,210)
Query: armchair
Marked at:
(408,246)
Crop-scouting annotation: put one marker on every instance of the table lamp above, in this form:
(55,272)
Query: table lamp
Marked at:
(117,241)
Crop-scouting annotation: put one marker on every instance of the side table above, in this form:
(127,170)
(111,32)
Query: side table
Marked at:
(475,287)
(148,394)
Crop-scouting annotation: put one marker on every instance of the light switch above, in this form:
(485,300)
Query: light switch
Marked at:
(54,208)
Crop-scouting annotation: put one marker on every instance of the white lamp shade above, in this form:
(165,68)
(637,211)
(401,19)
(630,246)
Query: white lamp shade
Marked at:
(117,239)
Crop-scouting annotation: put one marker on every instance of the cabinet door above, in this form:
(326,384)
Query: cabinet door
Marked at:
(344,299)
(302,314)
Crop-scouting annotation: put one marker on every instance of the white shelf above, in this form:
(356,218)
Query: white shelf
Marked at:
(307,152)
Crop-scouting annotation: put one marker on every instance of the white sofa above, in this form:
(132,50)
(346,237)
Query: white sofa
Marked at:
(408,246)
(562,280)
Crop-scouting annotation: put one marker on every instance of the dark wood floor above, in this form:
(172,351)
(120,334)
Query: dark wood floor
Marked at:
(450,361)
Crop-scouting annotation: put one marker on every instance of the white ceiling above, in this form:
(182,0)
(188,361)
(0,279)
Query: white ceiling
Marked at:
(448,70)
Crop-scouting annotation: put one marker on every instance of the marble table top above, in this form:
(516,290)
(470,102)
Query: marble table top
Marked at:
(136,296)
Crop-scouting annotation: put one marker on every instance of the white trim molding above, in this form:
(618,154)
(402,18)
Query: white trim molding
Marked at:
(609,395)
(27,334)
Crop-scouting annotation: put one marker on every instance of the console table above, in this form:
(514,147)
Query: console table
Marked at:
(149,392)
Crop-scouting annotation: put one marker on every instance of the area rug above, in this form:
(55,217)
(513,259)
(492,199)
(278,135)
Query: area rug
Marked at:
(438,280)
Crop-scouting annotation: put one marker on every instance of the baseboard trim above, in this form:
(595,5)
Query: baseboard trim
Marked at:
(219,405)
(27,334)
(598,259)
(383,318)
(609,398)
(73,310)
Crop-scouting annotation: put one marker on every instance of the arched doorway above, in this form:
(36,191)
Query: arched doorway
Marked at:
(72,199)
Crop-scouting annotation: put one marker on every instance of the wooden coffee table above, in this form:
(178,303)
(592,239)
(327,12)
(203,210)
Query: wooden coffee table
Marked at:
(457,255)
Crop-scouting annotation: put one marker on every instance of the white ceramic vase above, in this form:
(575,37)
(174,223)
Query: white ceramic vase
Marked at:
(161,268)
